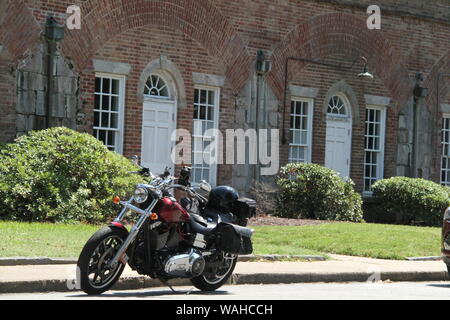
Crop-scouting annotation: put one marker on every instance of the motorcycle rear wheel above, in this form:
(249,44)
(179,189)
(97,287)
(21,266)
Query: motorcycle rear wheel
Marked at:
(95,276)
(214,278)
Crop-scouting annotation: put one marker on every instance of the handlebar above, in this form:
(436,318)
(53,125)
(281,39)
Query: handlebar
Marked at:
(165,180)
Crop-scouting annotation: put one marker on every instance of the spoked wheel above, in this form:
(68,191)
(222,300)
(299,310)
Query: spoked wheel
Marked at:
(96,276)
(217,272)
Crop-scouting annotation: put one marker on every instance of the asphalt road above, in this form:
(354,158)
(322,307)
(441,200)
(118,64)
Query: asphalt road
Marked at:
(316,291)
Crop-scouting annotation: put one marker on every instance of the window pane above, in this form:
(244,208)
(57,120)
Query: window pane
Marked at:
(203,96)
(97,101)
(115,86)
(211,96)
(106,85)
(98,84)
(203,112)
(96,119)
(105,120)
(305,108)
(304,123)
(112,138)
(196,112)
(211,113)
(304,137)
(114,121)
(105,102)
(115,104)
(102,136)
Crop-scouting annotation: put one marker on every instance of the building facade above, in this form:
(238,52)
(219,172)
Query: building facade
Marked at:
(138,69)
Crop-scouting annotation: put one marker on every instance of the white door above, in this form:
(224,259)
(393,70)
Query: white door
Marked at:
(159,121)
(338,146)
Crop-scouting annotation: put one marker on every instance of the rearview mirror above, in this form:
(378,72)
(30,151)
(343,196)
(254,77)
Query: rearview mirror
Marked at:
(135,159)
(205,186)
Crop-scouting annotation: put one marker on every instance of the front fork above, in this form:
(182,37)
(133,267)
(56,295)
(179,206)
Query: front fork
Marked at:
(145,214)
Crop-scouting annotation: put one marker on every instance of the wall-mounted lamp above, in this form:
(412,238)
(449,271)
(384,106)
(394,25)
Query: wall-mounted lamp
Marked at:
(263,66)
(53,30)
(419,91)
(365,74)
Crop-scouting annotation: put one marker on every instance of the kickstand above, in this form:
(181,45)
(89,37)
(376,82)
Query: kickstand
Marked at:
(168,285)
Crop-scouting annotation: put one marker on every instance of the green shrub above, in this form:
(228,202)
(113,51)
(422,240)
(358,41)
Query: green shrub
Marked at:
(59,175)
(315,192)
(410,200)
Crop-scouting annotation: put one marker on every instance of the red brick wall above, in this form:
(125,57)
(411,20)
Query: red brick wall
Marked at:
(222,37)
(143,45)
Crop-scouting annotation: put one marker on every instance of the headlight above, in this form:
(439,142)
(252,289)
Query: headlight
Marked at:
(140,195)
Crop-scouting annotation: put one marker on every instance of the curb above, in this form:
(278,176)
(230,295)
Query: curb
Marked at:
(436,258)
(141,282)
(32,261)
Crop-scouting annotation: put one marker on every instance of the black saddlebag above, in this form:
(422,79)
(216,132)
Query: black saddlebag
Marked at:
(233,239)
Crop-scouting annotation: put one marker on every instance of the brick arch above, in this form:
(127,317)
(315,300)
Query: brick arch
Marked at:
(19,30)
(197,19)
(340,33)
(441,67)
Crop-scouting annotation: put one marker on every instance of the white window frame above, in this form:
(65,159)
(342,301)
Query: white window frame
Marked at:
(381,150)
(308,156)
(445,182)
(214,167)
(167,84)
(346,105)
(121,113)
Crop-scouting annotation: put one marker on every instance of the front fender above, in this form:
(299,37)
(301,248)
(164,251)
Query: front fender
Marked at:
(118,225)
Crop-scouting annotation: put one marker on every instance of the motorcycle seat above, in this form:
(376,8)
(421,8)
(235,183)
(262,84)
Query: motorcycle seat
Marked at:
(218,216)
(200,225)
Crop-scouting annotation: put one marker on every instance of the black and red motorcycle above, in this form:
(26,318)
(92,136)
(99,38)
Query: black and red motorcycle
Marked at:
(199,237)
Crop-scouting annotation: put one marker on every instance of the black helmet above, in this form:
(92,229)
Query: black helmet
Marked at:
(222,198)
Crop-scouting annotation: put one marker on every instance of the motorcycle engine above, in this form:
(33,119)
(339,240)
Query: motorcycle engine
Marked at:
(187,265)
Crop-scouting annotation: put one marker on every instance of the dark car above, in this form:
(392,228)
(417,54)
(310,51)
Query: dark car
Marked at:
(446,239)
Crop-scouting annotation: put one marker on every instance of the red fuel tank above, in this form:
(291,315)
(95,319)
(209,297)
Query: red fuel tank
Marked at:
(171,211)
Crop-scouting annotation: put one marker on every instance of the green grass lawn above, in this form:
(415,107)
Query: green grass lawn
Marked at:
(355,239)
(43,240)
(369,240)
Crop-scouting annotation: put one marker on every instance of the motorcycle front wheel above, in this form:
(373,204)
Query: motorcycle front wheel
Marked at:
(216,273)
(95,275)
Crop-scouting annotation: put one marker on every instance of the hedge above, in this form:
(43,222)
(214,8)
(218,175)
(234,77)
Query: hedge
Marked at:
(413,200)
(59,175)
(315,192)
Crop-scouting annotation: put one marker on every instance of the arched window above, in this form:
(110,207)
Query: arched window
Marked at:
(156,87)
(337,106)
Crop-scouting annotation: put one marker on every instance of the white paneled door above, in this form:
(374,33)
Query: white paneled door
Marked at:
(338,146)
(159,121)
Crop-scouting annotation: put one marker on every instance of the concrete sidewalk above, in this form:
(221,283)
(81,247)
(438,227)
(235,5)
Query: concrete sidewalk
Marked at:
(60,278)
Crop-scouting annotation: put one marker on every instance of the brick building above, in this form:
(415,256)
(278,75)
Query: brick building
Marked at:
(138,69)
